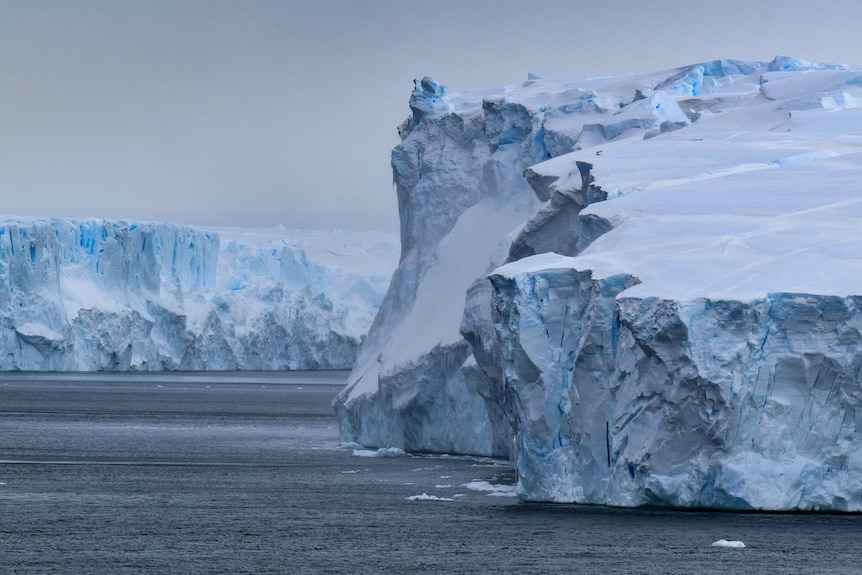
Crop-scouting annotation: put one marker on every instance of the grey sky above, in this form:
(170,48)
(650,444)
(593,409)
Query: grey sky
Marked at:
(263,112)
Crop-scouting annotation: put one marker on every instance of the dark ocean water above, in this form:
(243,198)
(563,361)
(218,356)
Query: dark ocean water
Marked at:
(179,473)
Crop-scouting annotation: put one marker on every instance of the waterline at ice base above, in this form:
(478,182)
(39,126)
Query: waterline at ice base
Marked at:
(644,290)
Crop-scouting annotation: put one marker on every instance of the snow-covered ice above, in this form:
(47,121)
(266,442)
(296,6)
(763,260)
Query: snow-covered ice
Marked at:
(95,295)
(673,312)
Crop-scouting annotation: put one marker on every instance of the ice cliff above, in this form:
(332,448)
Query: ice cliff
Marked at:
(112,295)
(643,290)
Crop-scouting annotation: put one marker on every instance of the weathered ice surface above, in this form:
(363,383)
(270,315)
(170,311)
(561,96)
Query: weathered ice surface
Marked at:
(677,320)
(98,295)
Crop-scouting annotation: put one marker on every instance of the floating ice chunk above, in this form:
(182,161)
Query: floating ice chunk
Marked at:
(494,490)
(426,497)
(729,544)
(382,452)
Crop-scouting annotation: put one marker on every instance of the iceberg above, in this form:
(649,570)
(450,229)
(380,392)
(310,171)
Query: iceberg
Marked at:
(642,290)
(100,295)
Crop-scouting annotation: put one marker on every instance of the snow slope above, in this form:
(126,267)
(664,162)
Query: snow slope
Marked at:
(677,321)
(112,295)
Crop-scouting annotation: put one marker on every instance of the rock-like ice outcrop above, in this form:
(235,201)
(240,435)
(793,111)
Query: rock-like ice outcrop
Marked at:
(111,295)
(678,318)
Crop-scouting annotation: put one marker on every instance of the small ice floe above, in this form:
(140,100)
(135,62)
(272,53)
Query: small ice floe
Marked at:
(442,487)
(382,452)
(352,471)
(489,462)
(726,543)
(493,490)
(426,497)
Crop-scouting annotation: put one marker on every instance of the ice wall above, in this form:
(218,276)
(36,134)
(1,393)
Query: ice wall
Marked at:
(676,321)
(111,295)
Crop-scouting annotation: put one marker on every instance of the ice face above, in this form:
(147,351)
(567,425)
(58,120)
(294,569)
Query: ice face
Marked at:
(676,322)
(109,295)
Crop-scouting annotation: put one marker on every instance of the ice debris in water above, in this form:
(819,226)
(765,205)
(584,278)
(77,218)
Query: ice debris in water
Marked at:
(382,452)
(729,544)
(426,497)
(493,490)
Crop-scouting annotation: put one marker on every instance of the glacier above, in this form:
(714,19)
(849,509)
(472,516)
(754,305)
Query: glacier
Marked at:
(103,295)
(642,290)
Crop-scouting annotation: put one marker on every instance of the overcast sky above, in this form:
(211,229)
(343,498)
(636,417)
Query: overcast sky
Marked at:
(256,113)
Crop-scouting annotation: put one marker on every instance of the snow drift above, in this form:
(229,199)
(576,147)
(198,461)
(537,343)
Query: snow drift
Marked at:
(97,295)
(673,311)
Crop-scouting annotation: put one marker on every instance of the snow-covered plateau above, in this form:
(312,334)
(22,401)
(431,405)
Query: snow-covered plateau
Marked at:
(95,295)
(643,290)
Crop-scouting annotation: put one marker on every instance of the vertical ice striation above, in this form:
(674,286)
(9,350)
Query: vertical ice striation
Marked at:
(722,404)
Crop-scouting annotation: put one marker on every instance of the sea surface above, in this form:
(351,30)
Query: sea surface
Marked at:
(242,473)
